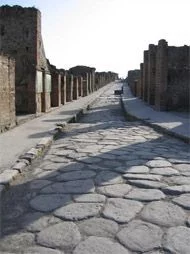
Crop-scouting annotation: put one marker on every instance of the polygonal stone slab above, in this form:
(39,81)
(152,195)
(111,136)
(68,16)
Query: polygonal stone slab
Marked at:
(115,190)
(47,203)
(89,198)
(64,236)
(98,227)
(158,164)
(71,167)
(73,187)
(183,200)
(138,170)
(78,211)
(143,177)
(121,210)
(140,236)
(163,214)
(164,171)
(177,240)
(41,250)
(177,189)
(99,245)
(107,178)
(178,180)
(38,184)
(145,194)
(76,175)
(147,184)
(182,167)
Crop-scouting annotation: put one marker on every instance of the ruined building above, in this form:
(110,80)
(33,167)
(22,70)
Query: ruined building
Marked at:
(20,37)
(164,77)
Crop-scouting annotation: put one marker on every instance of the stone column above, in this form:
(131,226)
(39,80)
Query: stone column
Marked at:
(145,76)
(46,98)
(63,89)
(151,74)
(93,81)
(75,88)
(89,82)
(141,80)
(161,75)
(69,87)
(56,90)
(85,84)
(80,86)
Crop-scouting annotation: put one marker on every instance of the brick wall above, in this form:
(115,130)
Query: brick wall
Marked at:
(7,93)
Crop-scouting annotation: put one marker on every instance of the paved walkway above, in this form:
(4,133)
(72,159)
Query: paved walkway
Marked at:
(106,186)
(22,138)
(175,123)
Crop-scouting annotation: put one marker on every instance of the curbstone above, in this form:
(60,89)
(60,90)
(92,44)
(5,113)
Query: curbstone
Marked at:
(7,176)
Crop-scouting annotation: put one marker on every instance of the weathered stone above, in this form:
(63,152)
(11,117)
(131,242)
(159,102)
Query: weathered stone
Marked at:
(135,162)
(107,178)
(145,194)
(178,180)
(89,198)
(41,250)
(164,214)
(147,184)
(143,177)
(183,200)
(73,187)
(179,161)
(47,203)
(138,170)
(158,164)
(111,164)
(182,167)
(38,184)
(167,171)
(16,241)
(64,236)
(177,189)
(177,240)
(115,190)
(98,227)
(47,174)
(140,236)
(76,175)
(121,210)
(78,211)
(99,245)
(72,166)
(7,176)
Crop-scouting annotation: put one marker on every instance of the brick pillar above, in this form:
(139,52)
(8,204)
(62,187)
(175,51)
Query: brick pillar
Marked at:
(145,76)
(89,82)
(69,87)
(80,86)
(85,85)
(75,88)
(161,75)
(141,80)
(93,81)
(56,90)
(46,99)
(63,89)
(151,74)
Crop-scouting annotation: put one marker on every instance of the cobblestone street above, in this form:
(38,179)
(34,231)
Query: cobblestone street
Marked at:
(106,186)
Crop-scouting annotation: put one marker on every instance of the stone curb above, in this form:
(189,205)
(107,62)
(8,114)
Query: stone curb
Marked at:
(27,158)
(154,125)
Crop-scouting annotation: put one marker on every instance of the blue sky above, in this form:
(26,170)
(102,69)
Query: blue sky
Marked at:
(108,34)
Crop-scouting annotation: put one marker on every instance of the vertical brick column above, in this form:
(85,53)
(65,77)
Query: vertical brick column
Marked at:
(63,89)
(93,81)
(75,88)
(145,76)
(141,80)
(161,75)
(151,74)
(46,99)
(89,82)
(69,87)
(85,84)
(80,86)
(56,90)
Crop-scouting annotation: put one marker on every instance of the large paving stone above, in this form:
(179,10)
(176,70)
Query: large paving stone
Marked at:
(178,180)
(99,245)
(168,171)
(140,236)
(98,227)
(183,200)
(90,198)
(164,214)
(158,164)
(72,187)
(147,184)
(115,190)
(16,241)
(145,194)
(135,162)
(72,166)
(112,164)
(137,170)
(177,240)
(143,177)
(64,235)
(78,211)
(107,178)
(121,210)
(76,175)
(38,184)
(177,189)
(182,167)
(41,250)
(49,202)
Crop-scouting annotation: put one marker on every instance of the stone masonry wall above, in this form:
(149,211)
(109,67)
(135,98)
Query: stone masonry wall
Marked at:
(7,92)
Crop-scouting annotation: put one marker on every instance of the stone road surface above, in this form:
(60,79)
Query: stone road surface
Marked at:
(106,186)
